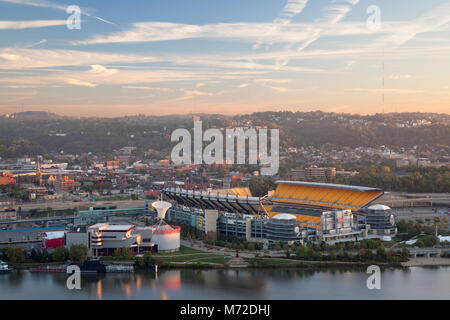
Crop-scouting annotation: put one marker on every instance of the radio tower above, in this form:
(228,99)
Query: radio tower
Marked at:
(382,83)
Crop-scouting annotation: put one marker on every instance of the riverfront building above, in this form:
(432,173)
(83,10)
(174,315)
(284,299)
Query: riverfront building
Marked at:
(103,238)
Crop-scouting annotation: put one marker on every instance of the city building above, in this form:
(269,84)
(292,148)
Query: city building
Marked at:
(8,214)
(52,240)
(64,184)
(313,173)
(102,239)
(6,178)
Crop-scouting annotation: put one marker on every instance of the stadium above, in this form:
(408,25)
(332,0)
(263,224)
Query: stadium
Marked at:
(295,211)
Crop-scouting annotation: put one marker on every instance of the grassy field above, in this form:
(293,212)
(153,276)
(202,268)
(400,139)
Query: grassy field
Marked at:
(189,256)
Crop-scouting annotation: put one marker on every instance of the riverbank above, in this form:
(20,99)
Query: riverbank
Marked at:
(422,262)
(204,258)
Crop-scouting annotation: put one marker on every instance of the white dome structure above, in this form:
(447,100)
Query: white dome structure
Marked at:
(379,207)
(161,207)
(284,216)
(166,237)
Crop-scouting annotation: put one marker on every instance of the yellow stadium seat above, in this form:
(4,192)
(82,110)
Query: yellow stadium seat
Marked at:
(327,194)
(351,197)
(337,194)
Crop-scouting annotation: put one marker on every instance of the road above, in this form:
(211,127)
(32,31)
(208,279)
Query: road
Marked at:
(420,213)
(86,204)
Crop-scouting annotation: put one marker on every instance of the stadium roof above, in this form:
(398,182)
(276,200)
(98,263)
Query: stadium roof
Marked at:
(328,185)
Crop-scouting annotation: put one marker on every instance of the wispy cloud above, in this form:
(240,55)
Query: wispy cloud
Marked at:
(389,90)
(36,43)
(77,82)
(273,84)
(101,70)
(148,88)
(400,76)
(48,4)
(11,25)
(191,94)
(290,10)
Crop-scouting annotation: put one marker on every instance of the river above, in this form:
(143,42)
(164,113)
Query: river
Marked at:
(411,283)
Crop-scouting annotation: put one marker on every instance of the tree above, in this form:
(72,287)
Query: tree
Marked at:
(15,255)
(61,254)
(4,253)
(146,262)
(404,254)
(78,253)
(381,253)
(427,241)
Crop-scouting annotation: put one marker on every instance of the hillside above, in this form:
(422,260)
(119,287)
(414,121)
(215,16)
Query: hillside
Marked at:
(40,132)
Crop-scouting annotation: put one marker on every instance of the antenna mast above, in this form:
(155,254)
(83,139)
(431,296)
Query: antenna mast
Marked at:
(382,84)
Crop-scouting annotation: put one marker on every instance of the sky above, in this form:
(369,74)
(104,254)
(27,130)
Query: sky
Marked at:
(158,57)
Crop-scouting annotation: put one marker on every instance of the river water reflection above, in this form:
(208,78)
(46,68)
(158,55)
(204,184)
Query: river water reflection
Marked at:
(412,283)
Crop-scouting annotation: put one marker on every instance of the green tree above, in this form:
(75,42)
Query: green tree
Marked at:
(381,253)
(78,253)
(61,254)
(16,255)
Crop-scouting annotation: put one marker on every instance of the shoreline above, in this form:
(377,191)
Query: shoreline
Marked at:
(426,262)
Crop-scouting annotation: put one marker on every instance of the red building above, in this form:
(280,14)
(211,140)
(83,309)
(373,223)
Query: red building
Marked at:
(52,240)
(6,178)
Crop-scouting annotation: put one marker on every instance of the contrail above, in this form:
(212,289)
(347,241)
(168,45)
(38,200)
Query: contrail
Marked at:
(48,4)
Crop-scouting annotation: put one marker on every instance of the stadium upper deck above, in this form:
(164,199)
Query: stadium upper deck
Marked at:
(324,195)
(237,201)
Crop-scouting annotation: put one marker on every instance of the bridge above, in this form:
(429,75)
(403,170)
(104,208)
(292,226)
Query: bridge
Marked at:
(411,200)
(37,220)
(81,216)
(426,252)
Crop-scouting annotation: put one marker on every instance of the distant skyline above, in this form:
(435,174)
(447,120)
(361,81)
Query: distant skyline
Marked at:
(228,57)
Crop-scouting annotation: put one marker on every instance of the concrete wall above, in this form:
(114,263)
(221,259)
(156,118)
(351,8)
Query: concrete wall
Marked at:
(210,223)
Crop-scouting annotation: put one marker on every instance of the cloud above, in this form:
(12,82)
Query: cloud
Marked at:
(400,76)
(273,84)
(236,31)
(389,90)
(147,88)
(244,85)
(36,43)
(80,83)
(20,93)
(191,94)
(11,25)
(436,19)
(52,5)
(349,64)
(291,9)
(101,70)
(17,58)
